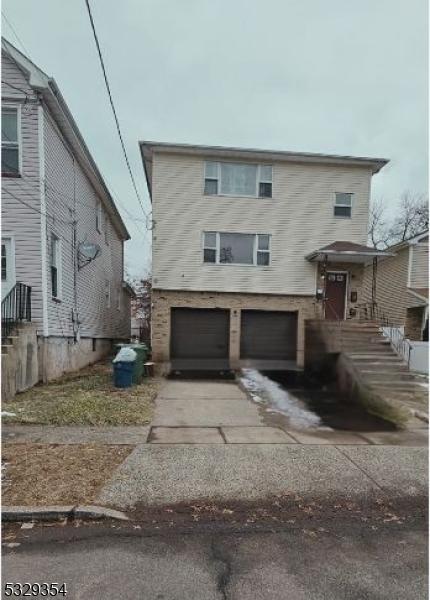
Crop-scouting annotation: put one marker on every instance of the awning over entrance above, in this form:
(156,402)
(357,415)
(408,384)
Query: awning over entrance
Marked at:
(344,252)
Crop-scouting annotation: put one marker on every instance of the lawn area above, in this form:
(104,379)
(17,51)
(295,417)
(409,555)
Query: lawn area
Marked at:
(86,397)
(48,474)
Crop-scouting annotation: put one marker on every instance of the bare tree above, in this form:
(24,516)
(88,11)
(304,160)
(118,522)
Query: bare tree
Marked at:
(412,218)
(378,226)
(141,305)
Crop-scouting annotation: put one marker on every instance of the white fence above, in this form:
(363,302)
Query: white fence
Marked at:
(419,356)
(416,353)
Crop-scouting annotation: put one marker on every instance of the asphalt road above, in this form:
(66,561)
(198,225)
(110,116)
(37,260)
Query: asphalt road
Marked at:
(349,553)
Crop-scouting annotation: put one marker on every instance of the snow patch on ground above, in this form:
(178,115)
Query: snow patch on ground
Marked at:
(265,391)
(4,413)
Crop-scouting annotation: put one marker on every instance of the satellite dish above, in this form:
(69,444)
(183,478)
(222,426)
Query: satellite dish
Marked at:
(87,252)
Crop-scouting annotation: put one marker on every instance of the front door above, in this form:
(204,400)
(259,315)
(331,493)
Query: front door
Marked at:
(7,266)
(335,293)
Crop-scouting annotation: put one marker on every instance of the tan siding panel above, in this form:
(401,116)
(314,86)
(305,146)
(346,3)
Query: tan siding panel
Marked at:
(420,267)
(391,286)
(299,217)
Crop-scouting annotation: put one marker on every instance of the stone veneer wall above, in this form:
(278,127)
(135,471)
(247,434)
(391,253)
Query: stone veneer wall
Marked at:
(164,300)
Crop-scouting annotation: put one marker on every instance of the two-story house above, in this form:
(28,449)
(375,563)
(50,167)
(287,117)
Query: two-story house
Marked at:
(247,244)
(62,246)
(403,282)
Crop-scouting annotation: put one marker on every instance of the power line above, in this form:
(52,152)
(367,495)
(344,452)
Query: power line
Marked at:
(12,28)
(44,214)
(118,128)
(136,219)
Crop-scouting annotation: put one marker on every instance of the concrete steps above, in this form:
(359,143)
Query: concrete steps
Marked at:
(381,371)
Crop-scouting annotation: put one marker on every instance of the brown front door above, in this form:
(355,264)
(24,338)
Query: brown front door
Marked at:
(335,295)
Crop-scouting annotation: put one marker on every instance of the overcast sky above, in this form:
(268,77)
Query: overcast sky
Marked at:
(331,76)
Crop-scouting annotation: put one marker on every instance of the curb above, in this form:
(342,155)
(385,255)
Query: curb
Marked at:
(57,513)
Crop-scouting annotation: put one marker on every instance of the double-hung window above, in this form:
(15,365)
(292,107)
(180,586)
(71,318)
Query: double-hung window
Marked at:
(236,248)
(235,179)
(343,205)
(55,267)
(10,158)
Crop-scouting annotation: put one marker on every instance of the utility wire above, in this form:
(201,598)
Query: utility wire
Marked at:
(12,28)
(69,197)
(118,128)
(44,214)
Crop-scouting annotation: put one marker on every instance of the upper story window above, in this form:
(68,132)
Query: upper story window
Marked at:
(10,157)
(234,179)
(343,205)
(55,267)
(236,248)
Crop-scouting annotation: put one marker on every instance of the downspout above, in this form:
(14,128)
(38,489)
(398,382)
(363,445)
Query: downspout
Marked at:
(43,228)
(76,335)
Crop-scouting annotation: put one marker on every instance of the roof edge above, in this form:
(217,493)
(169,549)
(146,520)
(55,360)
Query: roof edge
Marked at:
(148,147)
(49,89)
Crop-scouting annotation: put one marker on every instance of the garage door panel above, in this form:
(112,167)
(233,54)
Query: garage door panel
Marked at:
(199,333)
(268,335)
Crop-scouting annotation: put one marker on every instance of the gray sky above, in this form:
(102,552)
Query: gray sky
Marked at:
(307,75)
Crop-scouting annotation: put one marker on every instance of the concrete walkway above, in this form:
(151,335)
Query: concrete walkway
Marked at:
(156,475)
(210,412)
(213,412)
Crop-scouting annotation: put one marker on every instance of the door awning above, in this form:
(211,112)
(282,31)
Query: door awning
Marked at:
(346,252)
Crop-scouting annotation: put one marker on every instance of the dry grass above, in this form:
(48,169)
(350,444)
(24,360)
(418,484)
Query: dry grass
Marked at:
(46,474)
(87,397)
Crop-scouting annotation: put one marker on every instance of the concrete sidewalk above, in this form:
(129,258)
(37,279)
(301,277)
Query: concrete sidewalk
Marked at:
(154,474)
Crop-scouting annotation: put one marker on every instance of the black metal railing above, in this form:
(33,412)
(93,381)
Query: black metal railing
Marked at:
(15,308)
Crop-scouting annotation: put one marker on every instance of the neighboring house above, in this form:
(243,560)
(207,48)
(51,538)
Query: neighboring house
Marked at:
(402,286)
(57,215)
(247,244)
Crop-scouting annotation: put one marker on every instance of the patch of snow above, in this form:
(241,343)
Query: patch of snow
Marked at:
(4,413)
(278,399)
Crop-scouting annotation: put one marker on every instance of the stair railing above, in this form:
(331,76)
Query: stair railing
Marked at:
(400,344)
(15,308)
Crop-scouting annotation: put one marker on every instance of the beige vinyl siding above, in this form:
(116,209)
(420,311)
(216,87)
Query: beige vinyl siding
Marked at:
(391,287)
(419,276)
(299,218)
(70,196)
(19,220)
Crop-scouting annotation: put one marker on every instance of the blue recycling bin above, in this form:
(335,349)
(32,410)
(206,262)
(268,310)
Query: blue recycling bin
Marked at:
(123,374)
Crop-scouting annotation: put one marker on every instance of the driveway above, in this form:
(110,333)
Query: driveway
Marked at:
(209,412)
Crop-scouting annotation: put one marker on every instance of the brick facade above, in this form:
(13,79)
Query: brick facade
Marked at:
(163,300)
(414,323)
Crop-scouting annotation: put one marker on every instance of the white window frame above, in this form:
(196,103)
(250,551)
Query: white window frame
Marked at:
(107,293)
(58,265)
(255,249)
(17,108)
(258,180)
(9,241)
(343,205)
(99,217)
